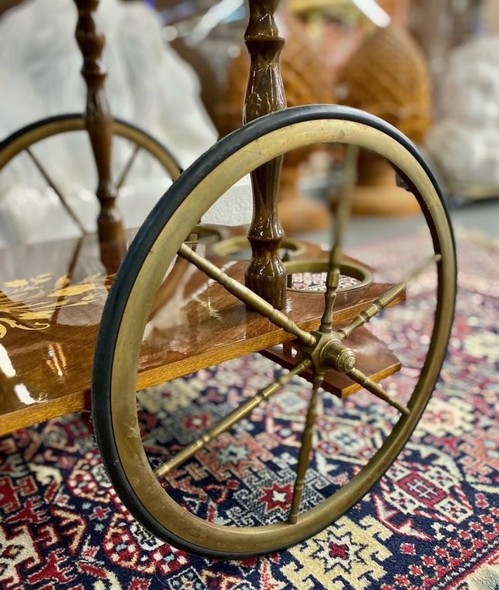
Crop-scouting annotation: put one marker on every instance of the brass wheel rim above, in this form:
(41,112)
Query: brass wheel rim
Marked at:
(45,128)
(115,371)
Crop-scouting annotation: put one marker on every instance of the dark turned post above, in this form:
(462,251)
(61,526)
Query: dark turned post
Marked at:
(99,121)
(265,274)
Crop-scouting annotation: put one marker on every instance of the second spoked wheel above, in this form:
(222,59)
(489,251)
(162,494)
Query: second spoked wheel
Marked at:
(55,153)
(175,309)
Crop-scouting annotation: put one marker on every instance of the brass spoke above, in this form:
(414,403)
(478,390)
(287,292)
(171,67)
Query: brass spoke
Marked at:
(247,296)
(385,299)
(305,453)
(342,214)
(376,389)
(232,418)
(56,190)
(126,169)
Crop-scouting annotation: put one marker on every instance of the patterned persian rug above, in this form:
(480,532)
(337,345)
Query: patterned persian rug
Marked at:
(431,522)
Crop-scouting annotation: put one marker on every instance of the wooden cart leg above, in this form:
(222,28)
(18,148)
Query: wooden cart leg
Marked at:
(99,122)
(265,274)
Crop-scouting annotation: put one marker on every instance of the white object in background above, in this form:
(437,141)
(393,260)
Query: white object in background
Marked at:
(148,85)
(465,143)
(235,207)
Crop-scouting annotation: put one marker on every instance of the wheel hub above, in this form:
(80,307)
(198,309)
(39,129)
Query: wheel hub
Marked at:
(330,353)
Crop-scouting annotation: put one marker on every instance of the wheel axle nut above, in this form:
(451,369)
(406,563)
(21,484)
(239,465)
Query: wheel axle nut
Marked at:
(339,357)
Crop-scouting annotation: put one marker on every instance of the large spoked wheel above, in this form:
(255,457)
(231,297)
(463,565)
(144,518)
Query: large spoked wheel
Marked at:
(138,144)
(143,488)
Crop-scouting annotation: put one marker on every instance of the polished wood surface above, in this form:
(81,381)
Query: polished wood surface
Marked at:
(51,300)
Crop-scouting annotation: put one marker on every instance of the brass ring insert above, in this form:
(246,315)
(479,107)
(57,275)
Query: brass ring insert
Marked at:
(205,233)
(239,248)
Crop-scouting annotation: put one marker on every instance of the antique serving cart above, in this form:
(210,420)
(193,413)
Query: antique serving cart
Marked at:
(183,300)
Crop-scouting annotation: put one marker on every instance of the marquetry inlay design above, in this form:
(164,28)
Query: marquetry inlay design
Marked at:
(34,304)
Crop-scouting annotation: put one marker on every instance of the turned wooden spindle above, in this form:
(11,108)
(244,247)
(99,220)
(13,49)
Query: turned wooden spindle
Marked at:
(265,274)
(98,120)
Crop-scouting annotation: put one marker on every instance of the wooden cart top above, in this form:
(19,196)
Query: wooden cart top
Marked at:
(51,299)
